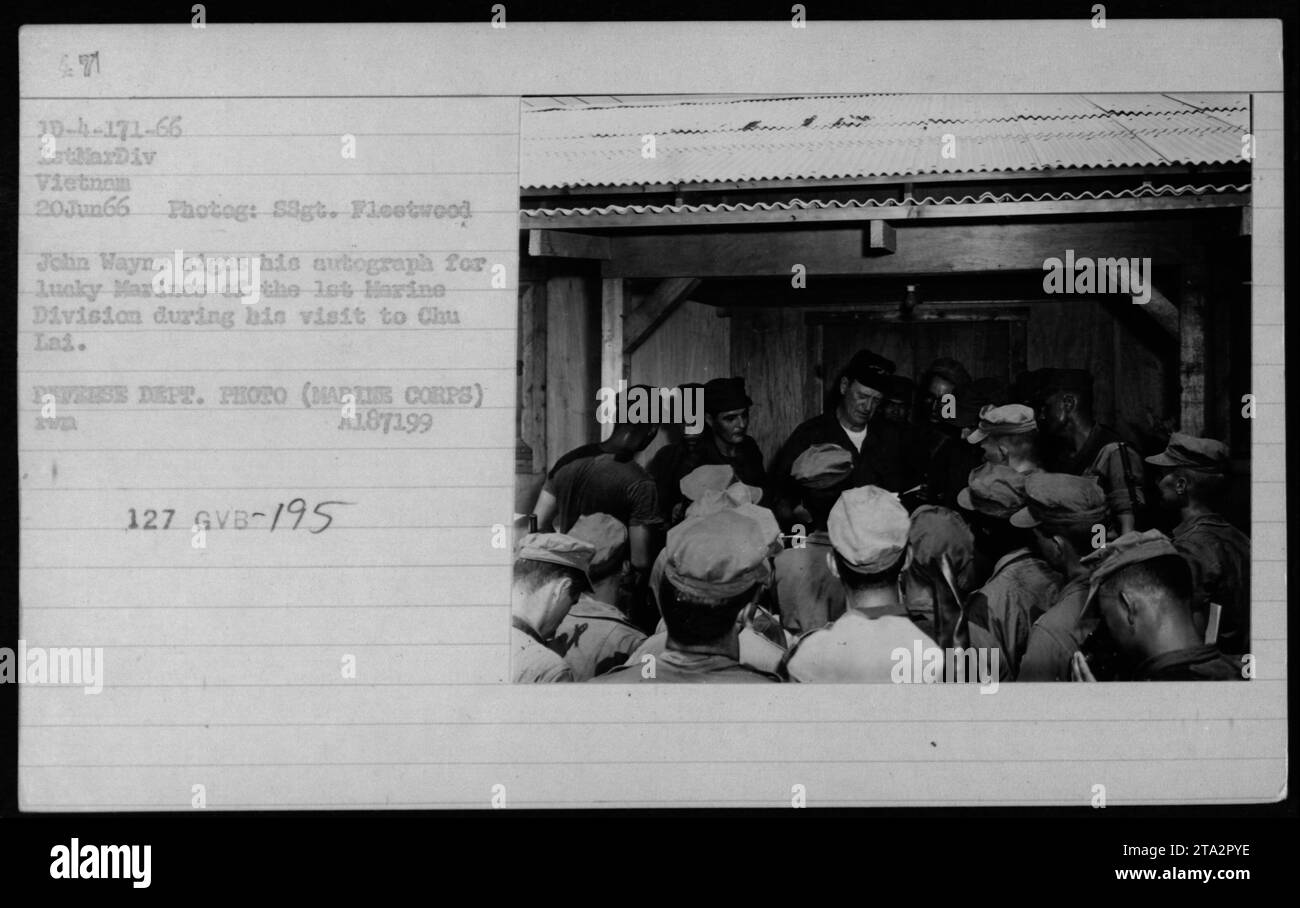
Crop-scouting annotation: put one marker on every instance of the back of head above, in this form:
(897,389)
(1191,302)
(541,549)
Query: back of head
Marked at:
(821,472)
(634,428)
(938,536)
(868,532)
(713,565)
(1164,583)
(609,538)
(695,619)
(542,557)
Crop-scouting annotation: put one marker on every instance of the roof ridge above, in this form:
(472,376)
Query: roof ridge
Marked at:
(987,197)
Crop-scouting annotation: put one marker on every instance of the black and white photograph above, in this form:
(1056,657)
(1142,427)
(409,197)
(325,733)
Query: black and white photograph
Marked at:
(444,434)
(884,387)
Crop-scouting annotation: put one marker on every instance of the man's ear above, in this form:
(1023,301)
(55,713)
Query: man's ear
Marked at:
(1128,606)
(565,590)
(1060,542)
(1069,402)
(844,384)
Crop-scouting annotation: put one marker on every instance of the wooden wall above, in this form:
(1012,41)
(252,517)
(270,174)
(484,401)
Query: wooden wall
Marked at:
(1130,385)
(693,344)
(770,348)
(559,324)
(785,360)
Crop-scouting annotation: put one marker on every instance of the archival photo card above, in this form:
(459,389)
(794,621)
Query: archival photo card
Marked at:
(419,432)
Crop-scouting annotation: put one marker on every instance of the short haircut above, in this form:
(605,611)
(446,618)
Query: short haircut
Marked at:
(856,580)
(1080,535)
(1202,485)
(697,620)
(1167,577)
(530,575)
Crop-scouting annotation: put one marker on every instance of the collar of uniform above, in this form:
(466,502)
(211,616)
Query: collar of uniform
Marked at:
(696,661)
(589,607)
(1193,655)
(701,651)
(1196,520)
(525,628)
(1013,555)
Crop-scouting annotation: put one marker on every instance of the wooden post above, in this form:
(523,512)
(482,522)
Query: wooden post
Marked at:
(570,380)
(1017,347)
(1192,356)
(613,366)
(530,441)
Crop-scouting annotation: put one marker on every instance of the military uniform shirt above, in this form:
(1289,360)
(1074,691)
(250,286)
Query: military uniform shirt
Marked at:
(1058,635)
(530,660)
(1059,459)
(1001,612)
(854,649)
(1219,556)
(1197,663)
(674,667)
(594,638)
(806,593)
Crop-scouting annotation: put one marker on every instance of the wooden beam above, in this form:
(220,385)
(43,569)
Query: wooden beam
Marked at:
(532,219)
(613,366)
(567,245)
(922,249)
(654,310)
(1192,350)
(1161,311)
(881,237)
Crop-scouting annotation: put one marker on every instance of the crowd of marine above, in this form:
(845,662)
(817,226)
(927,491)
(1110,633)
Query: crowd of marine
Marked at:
(946,513)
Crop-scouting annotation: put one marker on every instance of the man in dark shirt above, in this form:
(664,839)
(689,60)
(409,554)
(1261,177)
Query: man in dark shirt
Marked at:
(674,459)
(951,403)
(879,449)
(1074,442)
(1143,589)
(725,441)
(603,478)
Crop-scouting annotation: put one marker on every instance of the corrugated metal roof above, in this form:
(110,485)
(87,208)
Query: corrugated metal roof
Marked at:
(874,135)
(1144,192)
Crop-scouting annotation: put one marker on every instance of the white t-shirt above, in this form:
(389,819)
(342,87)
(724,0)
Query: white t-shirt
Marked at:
(856,437)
